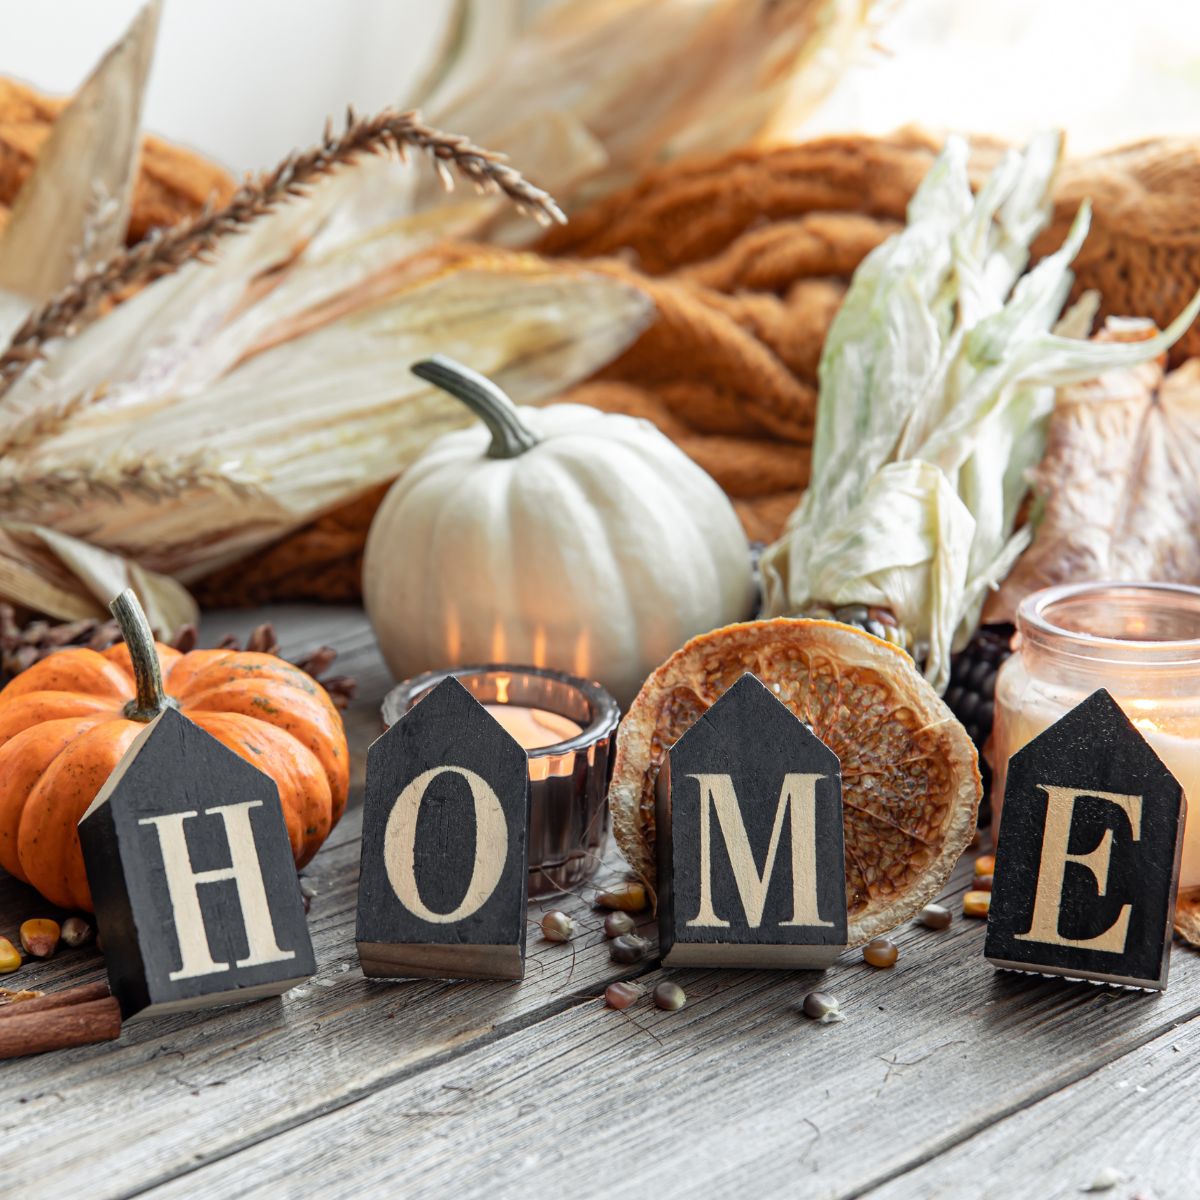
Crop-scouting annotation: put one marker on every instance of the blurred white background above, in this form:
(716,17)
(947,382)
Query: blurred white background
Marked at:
(247,80)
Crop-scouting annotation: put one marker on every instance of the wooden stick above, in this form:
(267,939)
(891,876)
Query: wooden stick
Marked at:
(76,995)
(22,1034)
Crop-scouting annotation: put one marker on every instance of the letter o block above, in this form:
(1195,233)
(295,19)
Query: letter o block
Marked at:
(443,886)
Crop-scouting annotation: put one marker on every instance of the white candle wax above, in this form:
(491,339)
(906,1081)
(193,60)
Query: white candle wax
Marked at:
(534,727)
(1180,753)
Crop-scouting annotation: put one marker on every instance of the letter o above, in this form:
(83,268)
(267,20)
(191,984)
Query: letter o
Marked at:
(491,845)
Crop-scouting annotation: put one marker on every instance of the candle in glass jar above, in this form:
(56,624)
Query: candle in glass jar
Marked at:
(1141,642)
(1180,753)
(566,726)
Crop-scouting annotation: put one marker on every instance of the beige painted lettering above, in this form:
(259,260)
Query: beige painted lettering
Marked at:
(491,845)
(797,796)
(183,884)
(1060,812)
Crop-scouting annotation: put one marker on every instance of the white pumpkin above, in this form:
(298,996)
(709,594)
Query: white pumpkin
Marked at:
(562,537)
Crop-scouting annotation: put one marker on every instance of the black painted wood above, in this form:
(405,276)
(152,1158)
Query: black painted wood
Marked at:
(1089,787)
(751,857)
(192,876)
(445,845)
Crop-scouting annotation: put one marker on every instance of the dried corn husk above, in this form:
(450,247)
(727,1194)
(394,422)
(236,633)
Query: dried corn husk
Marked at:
(184,451)
(594,93)
(73,210)
(226,404)
(48,572)
(937,380)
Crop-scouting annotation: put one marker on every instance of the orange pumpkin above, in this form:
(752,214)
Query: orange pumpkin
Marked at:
(67,720)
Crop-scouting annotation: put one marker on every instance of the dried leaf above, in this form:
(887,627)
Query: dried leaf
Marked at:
(1187,916)
(49,572)
(1116,494)
(72,211)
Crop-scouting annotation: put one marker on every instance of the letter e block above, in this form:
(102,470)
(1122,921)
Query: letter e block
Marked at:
(751,861)
(192,876)
(1088,853)
(443,887)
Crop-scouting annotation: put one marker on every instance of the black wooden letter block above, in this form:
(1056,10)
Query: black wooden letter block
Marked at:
(192,876)
(751,863)
(445,845)
(1088,854)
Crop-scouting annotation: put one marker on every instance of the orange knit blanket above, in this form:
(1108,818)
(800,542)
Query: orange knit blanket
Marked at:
(747,257)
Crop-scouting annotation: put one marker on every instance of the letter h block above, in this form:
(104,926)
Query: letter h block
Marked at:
(444,878)
(751,859)
(192,876)
(1088,853)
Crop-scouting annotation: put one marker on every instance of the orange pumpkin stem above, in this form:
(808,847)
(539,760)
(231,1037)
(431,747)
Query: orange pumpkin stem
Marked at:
(151,697)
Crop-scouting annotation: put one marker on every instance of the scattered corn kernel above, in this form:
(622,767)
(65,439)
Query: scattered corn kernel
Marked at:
(628,897)
(618,923)
(985,864)
(557,926)
(976,904)
(76,932)
(670,997)
(10,957)
(39,937)
(628,948)
(822,1007)
(981,883)
(621,995)
(882,952)
(935,916)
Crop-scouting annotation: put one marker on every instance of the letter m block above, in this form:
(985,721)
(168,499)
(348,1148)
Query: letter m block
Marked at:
(751,863)
(192,876)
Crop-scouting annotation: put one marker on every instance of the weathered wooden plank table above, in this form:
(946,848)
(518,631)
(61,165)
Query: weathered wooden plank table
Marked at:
(947,1079)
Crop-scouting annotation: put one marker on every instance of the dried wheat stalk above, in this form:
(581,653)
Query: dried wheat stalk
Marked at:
(167,250)
(140,475)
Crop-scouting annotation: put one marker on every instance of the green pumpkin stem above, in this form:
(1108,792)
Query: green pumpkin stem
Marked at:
(510,435)
(151,699)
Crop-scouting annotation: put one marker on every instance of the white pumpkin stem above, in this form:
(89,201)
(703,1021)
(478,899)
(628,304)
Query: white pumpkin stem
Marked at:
(510,435)
(151,697)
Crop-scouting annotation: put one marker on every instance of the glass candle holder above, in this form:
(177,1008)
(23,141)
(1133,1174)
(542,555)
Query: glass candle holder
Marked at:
(1141,641)
(566,725)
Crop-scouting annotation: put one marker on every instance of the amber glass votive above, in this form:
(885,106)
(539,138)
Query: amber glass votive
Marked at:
(567,726)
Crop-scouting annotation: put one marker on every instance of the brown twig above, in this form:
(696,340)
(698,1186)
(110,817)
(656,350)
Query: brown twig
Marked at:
(75,1017)
(165,251)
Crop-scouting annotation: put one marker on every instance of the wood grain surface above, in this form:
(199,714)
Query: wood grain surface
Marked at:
(947,1078)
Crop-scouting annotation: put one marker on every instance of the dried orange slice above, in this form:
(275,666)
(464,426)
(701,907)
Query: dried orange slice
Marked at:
(910,774)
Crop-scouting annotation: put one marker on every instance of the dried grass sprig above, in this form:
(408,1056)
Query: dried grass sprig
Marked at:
(167,250)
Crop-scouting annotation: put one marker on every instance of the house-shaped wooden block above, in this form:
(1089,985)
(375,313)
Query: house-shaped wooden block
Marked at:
(1088,853)
(192,876)
(751,862)
(443,888)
